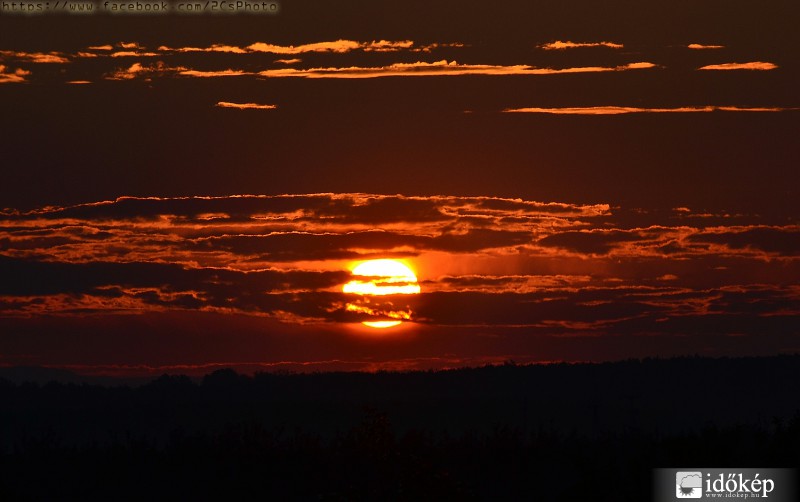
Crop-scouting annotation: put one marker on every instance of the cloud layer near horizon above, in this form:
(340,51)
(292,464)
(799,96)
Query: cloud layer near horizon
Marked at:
(553,268)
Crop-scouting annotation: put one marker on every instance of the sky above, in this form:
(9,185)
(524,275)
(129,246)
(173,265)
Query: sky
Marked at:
(575,181)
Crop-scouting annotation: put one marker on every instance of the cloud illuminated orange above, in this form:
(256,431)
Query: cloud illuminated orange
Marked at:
(138,70)
(128,54)
(559,45)
(440,68)
(334,46)
(245,106)
(418,69)
(550,269)
(213,48)
(17,76)
(702,46)
(620,110)
(211,74)
(35,57)
(754,65)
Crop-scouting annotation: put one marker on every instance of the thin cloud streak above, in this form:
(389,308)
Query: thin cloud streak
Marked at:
(559,45)
(418,69)
(703,47)
(754,65)
(212,74)
(439,68)
(245,106)
(231,49)
(340,46)
(130,54)
(620,110)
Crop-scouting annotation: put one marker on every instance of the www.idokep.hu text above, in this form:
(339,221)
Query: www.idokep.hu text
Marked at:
(137,7)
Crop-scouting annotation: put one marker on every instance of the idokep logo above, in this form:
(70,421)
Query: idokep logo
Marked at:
(689,485)
(700,482)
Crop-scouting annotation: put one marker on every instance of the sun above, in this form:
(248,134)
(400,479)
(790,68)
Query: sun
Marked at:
(386,277)
(375,278)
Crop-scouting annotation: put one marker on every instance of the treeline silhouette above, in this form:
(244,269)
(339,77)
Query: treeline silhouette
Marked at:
(539,432)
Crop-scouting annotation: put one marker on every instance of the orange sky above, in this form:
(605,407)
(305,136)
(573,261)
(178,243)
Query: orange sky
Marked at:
(578,182)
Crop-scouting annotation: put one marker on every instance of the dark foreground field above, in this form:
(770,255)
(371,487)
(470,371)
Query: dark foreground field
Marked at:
(555,432)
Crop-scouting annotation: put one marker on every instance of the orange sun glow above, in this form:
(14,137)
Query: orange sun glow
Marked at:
(380,278)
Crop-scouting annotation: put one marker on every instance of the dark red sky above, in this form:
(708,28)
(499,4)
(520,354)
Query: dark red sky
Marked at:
(579,182)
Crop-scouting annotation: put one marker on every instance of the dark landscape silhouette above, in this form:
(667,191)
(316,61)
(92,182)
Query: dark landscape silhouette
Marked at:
(539,432)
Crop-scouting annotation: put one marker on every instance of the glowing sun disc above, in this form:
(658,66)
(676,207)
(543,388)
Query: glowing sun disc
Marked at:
(387,277)
(382,324)
(379,278)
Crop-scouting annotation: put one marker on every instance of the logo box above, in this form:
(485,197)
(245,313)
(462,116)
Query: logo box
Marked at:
(705,483)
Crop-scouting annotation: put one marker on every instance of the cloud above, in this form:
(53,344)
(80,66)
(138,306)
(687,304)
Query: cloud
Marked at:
(590,242)
(636,66)
(247,232)
(559,45)
(340,46)
(553,269)
(213,48)
(245,106)
(621,110)
(325,208)
(130,54)
(333,46)
(17,76)
(138,70)
(211,74)
(170,56)
(753,109)
(701,46)
(439,68)
(295,246)
(517,284)
(35,57)
(783,240)
(755,65)
(251,231)
(122,50)
(418,69)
